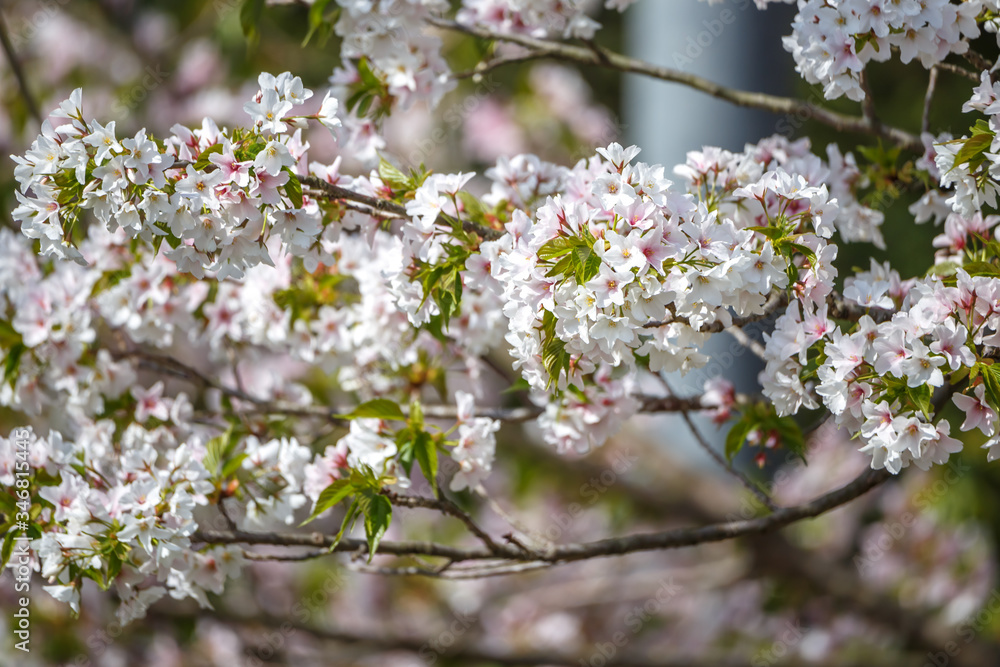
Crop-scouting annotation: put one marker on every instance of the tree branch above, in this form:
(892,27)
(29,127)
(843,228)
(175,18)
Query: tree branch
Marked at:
(15,66)
(671,539)
(747,483)
(776,300)
(467,654)
(384,206)
(445,506)
(619,62)
(925,119)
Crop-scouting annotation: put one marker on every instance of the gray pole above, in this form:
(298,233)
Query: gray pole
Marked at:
(734,44)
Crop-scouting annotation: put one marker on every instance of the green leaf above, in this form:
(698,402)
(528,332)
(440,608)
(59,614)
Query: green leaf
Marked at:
(791,436)
(8,335)
(804,250)
(405,448)
(349,520)
(426,453)
(233,464)
(921,398)
(973,147)
(250,14)
(392,176)
(11,363)
(8,548)
(377,519)
(737,436)
(563,267)
(203,158)
(520,384)
(772,233)
(558,247)
(330,496)
(293,188)
(378,408)
(943,269)
(368,77)
(317,21)
(114,568)
(991,380)
(982,269)
(215,451)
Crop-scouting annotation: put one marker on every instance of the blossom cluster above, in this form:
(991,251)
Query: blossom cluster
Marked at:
(228,248)
(392,38)
(120,510)
(213,197)
(832,41)
(551,18)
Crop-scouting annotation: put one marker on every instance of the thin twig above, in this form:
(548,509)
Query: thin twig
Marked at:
(488,66)
(718,458)
(619,62)
(868,103)
(925,119)
(337,192)
(956,69)
(775,301)
(445,506)
(746,341)
(564,553)
(15,66)
(225,514)
(978,61)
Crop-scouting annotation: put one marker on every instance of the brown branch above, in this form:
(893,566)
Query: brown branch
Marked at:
(445,506)
(617,546)
(925,119)
(868,103)
(468,654)
(15,66)
(176,368)
(978,61)
(484,67)
(776,300)
(619,62)
(956,69)
(382,205)
(726,465)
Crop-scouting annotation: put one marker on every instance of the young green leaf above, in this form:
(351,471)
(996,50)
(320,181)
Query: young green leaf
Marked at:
(293,188)
(737,436)
(378,408)
(250,14)
(377,519)
(426,454)
(330,496)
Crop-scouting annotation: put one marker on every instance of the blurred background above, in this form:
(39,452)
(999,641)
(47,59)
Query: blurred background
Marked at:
(859,585)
